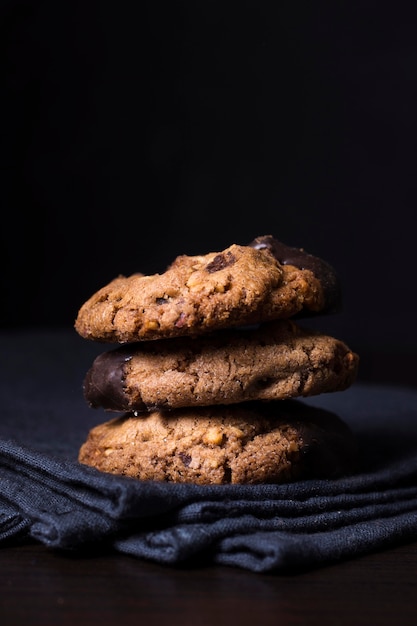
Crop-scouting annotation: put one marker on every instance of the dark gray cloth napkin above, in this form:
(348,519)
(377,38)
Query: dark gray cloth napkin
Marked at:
(262,528)
(47,496)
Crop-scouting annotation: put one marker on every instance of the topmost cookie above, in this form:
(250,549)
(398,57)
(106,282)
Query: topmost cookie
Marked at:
(241,285)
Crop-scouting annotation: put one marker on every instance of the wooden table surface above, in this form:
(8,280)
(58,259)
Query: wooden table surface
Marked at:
(42,587)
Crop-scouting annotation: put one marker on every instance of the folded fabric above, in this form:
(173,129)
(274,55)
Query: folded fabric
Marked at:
(262,528)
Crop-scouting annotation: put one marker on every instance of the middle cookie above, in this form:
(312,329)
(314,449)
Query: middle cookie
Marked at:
(277,360)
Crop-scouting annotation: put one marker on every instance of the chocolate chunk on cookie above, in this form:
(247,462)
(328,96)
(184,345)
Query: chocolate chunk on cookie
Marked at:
(297,259)
(199,294)
(276,360)
(241,444)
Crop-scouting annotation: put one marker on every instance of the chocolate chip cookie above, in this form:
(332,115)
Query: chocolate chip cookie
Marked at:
(276,360)
(240,285)
(241,444)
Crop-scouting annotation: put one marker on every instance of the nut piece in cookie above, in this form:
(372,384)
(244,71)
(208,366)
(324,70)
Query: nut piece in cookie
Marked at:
(256,443)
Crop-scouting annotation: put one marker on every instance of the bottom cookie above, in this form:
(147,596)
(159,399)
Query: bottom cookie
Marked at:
(274,442)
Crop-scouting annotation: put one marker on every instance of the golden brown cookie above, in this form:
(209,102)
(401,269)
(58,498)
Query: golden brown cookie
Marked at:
(198,294)
(241,444)
(276,360)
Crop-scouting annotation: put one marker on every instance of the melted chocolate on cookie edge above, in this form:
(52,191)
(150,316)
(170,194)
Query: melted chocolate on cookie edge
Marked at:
(103,384)
(324,272)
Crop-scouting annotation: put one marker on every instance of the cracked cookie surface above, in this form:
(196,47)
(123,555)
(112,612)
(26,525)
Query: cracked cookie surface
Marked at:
(255,443)
(198,294)
(276,360)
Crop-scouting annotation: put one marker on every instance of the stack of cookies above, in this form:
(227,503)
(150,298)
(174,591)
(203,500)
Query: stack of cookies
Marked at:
(211,364)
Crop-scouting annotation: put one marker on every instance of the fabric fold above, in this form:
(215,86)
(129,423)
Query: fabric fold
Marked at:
(69,506)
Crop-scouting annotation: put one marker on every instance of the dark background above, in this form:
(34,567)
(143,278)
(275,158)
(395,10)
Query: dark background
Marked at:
(133,132)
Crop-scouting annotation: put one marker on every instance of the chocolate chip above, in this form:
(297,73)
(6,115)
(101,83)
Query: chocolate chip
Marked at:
(185,458)
(220,261)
